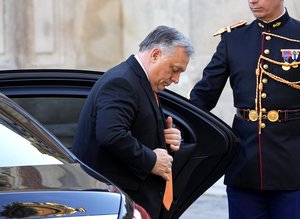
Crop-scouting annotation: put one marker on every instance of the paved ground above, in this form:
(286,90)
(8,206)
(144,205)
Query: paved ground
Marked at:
(211,205)
(208,206)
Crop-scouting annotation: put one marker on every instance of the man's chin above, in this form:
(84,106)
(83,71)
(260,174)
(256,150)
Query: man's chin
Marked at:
(162,88)
(258,14)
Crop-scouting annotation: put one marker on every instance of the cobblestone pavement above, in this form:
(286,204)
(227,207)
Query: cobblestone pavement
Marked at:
(208,206)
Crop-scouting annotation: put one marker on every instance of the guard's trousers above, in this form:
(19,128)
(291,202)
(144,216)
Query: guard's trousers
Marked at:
(255,204)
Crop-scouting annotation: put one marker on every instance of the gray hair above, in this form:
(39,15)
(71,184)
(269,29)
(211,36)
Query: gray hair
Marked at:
(167,39)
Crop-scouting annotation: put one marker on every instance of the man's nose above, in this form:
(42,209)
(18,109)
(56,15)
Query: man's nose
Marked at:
(175,78)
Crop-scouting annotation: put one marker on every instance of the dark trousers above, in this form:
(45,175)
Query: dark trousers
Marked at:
(255,204)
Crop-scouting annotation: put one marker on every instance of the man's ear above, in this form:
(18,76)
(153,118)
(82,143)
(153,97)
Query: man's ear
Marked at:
(155,53)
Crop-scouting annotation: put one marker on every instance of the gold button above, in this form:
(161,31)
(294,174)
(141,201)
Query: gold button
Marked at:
(268,37)
(253,115)
(263,125)
(263,110)
(273,116)
(264,80)
(265,66)
(263,95)
(267,51)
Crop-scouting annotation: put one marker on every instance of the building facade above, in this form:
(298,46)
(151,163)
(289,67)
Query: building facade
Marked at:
(98,34)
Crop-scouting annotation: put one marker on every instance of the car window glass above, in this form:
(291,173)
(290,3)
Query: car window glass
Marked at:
(24,143)
(59,115)
(19,151)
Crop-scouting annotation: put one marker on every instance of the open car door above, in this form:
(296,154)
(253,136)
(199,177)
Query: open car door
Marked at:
(55,97)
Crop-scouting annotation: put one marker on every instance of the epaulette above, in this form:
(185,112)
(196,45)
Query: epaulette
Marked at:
(229,28)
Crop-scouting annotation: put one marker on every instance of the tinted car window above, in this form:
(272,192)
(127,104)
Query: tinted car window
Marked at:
(20,135)
(59,115)
(14,146)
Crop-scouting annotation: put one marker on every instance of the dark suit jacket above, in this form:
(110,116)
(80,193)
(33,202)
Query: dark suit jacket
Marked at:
(270,160)
(120,126)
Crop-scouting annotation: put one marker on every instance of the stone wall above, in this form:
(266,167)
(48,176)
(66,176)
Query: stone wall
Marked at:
(98,34)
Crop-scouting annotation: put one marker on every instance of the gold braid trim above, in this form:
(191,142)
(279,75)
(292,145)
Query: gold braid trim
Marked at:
(281,37)
(259,85)
(258,94)
(276,62)
(275,77)
(282,80)
(259,75)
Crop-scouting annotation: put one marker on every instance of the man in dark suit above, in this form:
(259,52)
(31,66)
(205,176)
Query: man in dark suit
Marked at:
(261,59)
(122,131)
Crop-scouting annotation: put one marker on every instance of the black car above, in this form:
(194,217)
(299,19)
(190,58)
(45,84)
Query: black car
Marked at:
(40,178)
(54,98)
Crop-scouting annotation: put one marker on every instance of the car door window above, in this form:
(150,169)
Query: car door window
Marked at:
(23,142)
(13,148)
(15,143)
(59,115)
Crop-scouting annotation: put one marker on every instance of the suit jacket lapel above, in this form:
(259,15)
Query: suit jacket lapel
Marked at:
(148,90)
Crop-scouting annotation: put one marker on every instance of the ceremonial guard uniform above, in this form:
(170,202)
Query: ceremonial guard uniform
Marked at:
(263,65)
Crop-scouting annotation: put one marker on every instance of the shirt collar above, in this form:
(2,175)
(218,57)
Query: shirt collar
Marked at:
(139,61)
